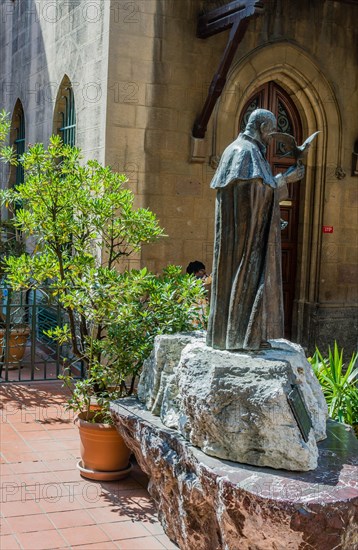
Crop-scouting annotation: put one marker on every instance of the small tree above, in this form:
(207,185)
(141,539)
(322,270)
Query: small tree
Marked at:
(83,222)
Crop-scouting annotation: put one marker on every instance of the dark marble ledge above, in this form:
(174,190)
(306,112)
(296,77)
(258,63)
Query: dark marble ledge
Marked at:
(335,479)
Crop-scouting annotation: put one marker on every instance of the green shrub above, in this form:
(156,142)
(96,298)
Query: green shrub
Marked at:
(339,383)
(83,221)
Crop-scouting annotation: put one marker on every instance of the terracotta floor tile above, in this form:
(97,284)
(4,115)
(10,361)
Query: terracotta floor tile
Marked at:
(11,456)
(41,540)
(16,419)
(125,530)
(23,508)
(25,416)
(22,427)
(140,492)
(59,504)
(64,434)
(115,501)
(108,514)
(70,445)
(36,435)
(166,542)
(154,527)
(71,518)
(83,535)
(49,491)
(80,487)
(60,465)
(7,433)
(68,475)
(45,491)
(8,479)
(29,467)
(58,455)
(4,527)
(90,499)
(43,478)
(147,543)
(104,546)
(12,491)
(46,445)
(129,483)
(18,446)
(120,503)
(8,542)
(59,423)
(27,524)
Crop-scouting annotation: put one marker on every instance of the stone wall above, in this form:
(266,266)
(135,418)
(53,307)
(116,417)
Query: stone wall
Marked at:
(140,78)
(158,79)
(42,41)
(159,74)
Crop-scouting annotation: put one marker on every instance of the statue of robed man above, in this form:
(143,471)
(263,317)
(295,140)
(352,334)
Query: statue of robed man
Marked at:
(246,306)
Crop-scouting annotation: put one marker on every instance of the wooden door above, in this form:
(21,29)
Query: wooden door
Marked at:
(272,97)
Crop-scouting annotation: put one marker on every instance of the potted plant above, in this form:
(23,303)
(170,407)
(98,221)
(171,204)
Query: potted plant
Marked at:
(104,455)
(84,223)
(13,331)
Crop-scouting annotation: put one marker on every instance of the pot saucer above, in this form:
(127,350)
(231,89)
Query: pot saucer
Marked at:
(103,476)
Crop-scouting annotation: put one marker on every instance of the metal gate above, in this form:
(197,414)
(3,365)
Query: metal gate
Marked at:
(27,353)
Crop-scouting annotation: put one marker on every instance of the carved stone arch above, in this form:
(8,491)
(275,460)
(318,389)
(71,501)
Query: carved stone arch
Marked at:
(295,71)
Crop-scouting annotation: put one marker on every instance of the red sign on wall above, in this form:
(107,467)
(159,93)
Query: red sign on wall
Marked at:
(327,228)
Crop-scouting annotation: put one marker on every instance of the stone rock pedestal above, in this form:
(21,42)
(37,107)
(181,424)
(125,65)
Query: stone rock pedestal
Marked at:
(205,503)
(234,405)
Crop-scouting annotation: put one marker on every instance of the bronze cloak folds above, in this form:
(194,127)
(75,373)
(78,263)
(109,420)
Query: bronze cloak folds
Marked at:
(246,302)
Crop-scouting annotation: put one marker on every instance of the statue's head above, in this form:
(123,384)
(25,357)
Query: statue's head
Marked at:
(260,125)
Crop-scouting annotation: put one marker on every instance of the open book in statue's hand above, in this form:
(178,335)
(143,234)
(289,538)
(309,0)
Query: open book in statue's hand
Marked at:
(290,145)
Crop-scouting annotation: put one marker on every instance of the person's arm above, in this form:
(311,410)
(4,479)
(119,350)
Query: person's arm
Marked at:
(293,174)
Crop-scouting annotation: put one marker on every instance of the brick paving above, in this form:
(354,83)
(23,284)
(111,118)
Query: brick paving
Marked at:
(45,503)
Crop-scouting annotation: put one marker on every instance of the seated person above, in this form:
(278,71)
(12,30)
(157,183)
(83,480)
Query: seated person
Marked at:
(197,269)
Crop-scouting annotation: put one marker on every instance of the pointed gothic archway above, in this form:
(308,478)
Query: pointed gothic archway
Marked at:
(291,68)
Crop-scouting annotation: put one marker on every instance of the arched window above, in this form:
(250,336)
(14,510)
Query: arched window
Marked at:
(17,140)
(65,113)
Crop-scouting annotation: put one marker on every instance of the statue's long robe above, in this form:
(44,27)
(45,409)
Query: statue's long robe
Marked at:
(246,299)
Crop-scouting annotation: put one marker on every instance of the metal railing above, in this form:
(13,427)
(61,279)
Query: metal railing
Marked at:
(26,352)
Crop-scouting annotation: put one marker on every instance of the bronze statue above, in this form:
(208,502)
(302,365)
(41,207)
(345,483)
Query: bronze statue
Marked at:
(246,301)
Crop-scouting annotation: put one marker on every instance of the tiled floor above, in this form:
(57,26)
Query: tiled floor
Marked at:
(45,504)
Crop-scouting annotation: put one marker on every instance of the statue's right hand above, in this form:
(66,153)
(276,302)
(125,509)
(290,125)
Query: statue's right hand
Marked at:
(294,173)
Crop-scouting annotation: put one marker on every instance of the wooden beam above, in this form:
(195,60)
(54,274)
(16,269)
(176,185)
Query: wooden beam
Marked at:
(221,19)
(239,13)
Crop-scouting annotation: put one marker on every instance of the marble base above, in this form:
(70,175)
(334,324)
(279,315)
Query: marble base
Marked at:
(212,504)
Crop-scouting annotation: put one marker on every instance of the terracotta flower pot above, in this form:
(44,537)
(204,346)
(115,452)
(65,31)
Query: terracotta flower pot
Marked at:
(16,345)
(103,451)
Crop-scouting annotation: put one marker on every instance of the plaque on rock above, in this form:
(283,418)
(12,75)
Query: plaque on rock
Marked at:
(300,412)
